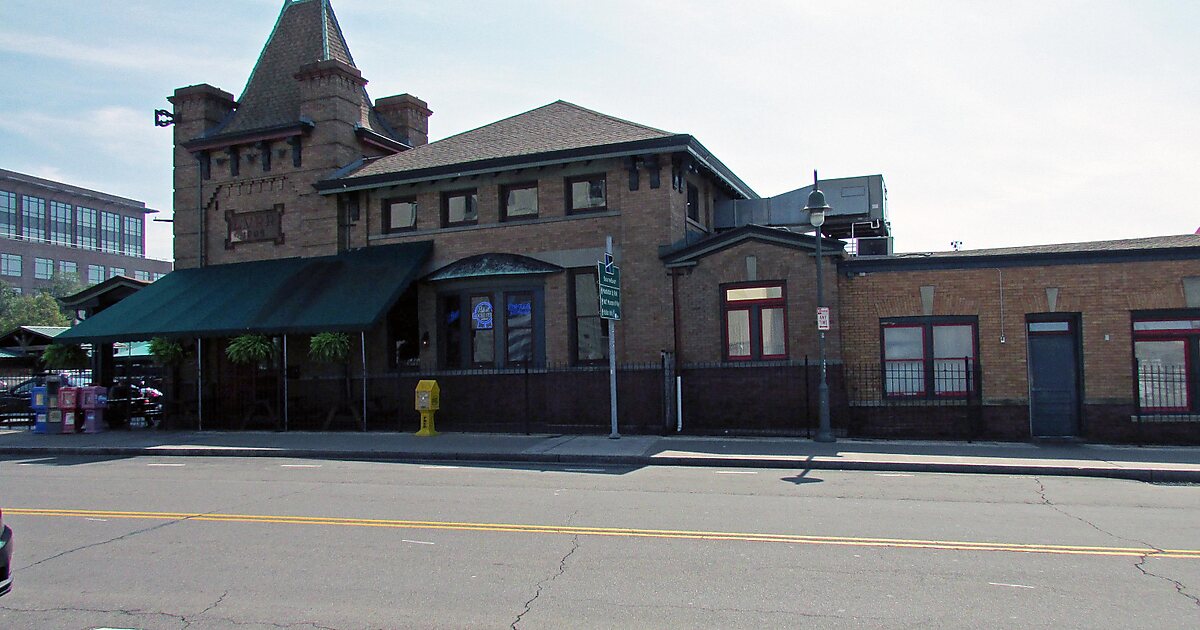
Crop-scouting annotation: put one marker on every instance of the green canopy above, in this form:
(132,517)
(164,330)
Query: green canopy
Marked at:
(342,293)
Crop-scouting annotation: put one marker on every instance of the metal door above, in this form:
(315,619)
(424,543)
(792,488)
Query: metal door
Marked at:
(1053,379)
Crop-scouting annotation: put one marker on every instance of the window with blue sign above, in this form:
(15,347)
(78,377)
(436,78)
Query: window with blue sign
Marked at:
(489,329)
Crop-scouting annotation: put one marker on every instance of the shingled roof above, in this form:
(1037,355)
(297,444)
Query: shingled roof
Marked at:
(307,31)
(558,126)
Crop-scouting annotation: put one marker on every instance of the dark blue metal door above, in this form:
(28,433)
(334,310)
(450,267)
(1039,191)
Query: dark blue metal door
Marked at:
(1053,380)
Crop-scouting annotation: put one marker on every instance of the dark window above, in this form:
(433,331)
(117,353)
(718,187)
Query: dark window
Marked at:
(755,321)
(85,223)
(133,236)
(60,223)
(586,194)
(33,218)
(110,231)
(8,213)
(693,203)
(235,162)
(519,201)
(452,330)
(460,208)
(1166,349)
(519,327)
(921,351)
(399,214)
(483,330)
(590,334)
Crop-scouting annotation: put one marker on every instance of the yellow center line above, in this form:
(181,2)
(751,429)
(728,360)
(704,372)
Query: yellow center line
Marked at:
(798,539)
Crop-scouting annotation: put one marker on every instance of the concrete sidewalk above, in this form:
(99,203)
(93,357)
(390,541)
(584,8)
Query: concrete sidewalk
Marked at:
(1159,464)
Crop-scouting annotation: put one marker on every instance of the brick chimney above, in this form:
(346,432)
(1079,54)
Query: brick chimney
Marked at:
(408,116)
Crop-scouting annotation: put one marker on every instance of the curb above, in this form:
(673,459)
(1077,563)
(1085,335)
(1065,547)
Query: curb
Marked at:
(1150,475)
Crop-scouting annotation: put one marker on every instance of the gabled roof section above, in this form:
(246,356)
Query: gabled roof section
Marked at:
(555,127)
(688,255)
(307,31)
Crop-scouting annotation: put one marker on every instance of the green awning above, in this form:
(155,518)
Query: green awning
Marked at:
(343,293)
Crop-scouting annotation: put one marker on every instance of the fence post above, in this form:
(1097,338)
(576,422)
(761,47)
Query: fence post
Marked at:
(527,409)
(668,391)
(807,402)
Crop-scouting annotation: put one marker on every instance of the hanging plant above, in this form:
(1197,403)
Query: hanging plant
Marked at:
(167,351)
(329,347)
(64,357)
(250,349)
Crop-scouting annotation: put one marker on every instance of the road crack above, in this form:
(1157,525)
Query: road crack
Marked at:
(1140,565)
(187,621)
(562,568)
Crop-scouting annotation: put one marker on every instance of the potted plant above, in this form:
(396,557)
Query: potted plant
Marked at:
(334,347)
(256,351)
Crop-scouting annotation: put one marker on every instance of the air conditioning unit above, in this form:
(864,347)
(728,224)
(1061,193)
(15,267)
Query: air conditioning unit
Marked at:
(875,246)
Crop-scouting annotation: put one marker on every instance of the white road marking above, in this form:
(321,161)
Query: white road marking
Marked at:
(299,465)
(737,472)
(1010,585)
(173,465)
(583,470)
(102,520)
(416,542)
(893,475)
(440,467)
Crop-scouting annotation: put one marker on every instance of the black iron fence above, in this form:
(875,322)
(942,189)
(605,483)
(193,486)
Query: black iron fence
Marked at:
(915,399)
(1165,408)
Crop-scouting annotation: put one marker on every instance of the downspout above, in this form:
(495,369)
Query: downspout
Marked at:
(200,218)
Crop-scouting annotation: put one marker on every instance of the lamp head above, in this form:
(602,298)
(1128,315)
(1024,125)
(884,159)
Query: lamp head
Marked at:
(817,207)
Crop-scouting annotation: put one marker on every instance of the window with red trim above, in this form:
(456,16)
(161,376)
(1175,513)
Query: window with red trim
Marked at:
(928,357)
(754,321)
(1166,347)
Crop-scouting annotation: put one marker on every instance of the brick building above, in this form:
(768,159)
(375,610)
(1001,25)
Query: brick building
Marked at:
(49,228)
(306,207)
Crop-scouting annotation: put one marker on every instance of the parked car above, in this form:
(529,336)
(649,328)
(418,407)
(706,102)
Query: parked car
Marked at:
(17,401)
(6,536)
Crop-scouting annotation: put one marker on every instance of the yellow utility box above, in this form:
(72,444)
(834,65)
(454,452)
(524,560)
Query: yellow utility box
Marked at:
(429,399)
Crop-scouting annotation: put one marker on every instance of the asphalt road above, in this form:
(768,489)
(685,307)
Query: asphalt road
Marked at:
(266,543)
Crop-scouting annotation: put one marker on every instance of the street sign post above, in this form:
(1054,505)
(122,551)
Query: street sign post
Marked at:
(609,277)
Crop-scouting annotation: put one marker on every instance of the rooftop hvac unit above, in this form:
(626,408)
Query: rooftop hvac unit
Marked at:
(875,246)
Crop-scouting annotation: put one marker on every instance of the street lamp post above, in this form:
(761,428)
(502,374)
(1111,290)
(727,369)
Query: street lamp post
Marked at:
(816,208)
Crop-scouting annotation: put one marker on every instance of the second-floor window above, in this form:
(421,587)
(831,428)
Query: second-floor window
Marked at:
(110,231)
(113,272)
(33,218)
(60,223)
(71,267)
(519,201)
(95,274)
(399,214)
(460,208)
(133,236)
(8,214)
(693,203)
(585,194)
(85,227)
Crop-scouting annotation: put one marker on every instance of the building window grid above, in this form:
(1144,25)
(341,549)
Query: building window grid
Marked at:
(68,267)
(95,274)
(8,213)
(133,236)
(43,268)
(110,232)
(10,265)
(60,223)
(85,221)
(33,218)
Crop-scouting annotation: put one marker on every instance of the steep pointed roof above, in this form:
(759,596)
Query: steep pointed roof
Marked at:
(307,31)
(559,126)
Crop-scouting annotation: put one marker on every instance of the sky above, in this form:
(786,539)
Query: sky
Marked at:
(993,123)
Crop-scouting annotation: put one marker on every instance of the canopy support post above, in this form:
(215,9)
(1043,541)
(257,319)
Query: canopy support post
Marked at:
(363,344)
(199,384)
(285,385)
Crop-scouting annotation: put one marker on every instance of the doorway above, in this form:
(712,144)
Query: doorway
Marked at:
(1054,375)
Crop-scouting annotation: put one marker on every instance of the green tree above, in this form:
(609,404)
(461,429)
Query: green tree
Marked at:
(38,309)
